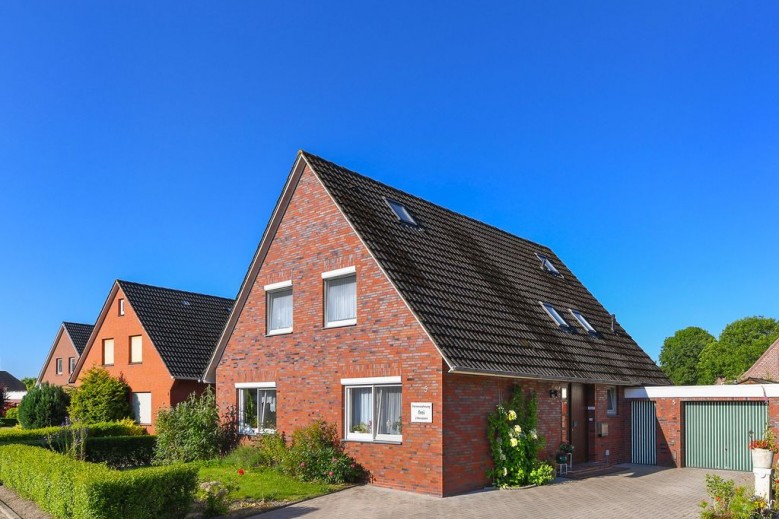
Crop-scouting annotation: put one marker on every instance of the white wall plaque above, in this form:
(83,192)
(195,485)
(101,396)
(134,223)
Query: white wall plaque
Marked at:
(422,412)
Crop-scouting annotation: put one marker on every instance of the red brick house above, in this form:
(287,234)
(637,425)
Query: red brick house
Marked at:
(405,324)
(765,369)
(68,345)
(158,339)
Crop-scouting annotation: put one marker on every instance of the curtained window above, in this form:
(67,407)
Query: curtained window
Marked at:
(341,301)
(611,401)
(373,412)
(280,311)
(256,410)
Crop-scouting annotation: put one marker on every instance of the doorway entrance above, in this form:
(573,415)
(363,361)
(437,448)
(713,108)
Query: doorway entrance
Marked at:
(580,408)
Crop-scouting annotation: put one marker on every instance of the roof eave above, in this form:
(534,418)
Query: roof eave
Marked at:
(525,376)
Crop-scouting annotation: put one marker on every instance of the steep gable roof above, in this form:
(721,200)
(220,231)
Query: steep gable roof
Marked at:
(476,290)
(79,334)
(766,367)
(184,326)
(11,383)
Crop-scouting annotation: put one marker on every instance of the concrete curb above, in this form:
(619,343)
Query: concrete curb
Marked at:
(7,513)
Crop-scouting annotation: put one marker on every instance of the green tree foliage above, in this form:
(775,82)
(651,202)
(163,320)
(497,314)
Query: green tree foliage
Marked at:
(680,353)
(43,406)
(29,382)
(100,398)
(193,431)
(740,344)
(2,399)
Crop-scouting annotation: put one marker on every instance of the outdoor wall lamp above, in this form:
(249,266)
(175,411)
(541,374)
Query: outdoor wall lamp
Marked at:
(553,393)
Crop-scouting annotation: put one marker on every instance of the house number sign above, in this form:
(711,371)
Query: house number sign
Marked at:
(422,412)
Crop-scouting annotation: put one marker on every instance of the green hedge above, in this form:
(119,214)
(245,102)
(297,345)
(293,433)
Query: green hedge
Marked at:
(70,489)
(121,452)
(123,428)
(8,422)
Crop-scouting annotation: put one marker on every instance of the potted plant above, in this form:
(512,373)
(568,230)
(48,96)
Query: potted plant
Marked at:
(763,450)
(564,450)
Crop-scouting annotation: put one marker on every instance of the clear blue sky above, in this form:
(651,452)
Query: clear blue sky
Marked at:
(148,141)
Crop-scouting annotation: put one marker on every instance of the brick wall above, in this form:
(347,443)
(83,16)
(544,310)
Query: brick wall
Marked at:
(63,349)
(150,375)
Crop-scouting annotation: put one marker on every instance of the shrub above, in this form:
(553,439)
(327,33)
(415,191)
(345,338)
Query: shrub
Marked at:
(12,413)
(316,454)
(70,489)
(192,431)
(215,498)
(8,422)
(100,398)
(43,406)
(121,452)
(514,442)
(122,428)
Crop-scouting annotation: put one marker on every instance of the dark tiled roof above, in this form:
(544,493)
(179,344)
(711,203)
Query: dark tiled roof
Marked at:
(11,383)
(79,334)
(477,289)
(183,326)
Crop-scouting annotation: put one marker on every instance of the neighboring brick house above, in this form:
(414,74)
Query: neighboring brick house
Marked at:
(363,302)
(765,369)
(64,353)
(158,339)
(14,389)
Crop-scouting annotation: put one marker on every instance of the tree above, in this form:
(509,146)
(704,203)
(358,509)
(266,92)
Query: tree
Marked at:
(2,399)
(680,354)
(740,344)
(29,382)
(100,398)
(43,406)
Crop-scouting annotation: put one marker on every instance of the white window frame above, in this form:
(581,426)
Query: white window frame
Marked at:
(339,274)
(555,315)
(113,352)
(547,264)
(611,403)
(71,364)
(270,290)
(121,307)
(583,321)
(373,383)
(252,431)
(135,397)
(139,360)
(58,365)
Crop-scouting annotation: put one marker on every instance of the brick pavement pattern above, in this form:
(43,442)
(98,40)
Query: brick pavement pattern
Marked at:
(640,491)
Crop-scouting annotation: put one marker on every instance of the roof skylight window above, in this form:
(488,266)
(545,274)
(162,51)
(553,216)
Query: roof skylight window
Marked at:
(556,317)
(583,321)
(401,212)
(547,265)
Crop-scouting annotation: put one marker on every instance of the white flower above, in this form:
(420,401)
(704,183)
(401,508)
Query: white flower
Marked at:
(512,415)
(517,429)
(505,471)
(533,434)
(514,442)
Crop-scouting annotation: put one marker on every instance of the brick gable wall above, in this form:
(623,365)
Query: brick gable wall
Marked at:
(64,350)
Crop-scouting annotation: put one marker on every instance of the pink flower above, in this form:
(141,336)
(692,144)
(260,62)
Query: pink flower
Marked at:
(241,472)
(352,465)
(302,463)
(330,473)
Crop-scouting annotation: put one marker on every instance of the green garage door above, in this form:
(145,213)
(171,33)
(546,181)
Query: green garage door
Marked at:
(717,434)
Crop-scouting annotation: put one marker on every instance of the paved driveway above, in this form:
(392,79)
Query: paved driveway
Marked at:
(641,491)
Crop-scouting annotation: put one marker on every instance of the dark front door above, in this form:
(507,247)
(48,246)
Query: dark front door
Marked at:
(578,422)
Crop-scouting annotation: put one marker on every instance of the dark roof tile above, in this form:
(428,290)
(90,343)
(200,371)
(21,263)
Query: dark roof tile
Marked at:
(79,334)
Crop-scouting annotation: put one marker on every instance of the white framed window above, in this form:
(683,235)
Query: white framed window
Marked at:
(279,304)
(401,212)
(142,408)
(547,264)
(71,365)
(373,410)
(340,297)
(611,401)
(583,321)
(555,315)
(121,307)
(108,352)
(136,349)
(59,366)
(256,407)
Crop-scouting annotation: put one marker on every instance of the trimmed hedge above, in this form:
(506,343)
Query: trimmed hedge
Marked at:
(8,422)
(70,489)
(120,452)
(98,430)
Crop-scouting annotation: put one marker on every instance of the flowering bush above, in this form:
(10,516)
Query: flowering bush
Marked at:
(316,454)
(732,502)
(768,441)
(214,497)
(514,443)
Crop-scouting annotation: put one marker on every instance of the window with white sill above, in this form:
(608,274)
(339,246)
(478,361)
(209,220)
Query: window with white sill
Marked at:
(256,409)
(341,301)
(373,412)
(279,310)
